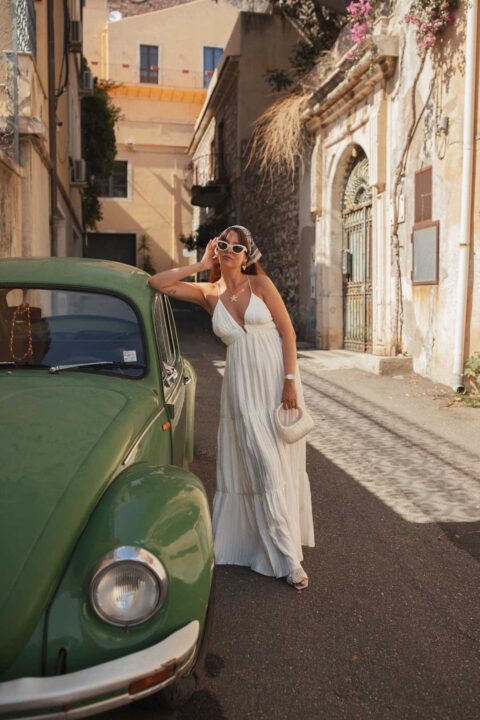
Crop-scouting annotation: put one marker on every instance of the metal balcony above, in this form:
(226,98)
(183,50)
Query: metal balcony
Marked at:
(208,180)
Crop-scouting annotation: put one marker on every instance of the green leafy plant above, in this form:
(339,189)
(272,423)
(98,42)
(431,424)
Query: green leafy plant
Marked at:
(472,372)
(99,116)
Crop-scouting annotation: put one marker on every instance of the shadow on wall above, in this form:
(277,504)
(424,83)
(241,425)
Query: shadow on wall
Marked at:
(124,222)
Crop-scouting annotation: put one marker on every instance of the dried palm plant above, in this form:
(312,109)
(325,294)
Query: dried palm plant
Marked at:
(278,138)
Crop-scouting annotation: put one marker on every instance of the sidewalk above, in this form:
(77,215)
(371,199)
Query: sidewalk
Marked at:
(411,396)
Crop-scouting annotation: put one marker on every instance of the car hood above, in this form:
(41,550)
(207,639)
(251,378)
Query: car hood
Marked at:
(62,438)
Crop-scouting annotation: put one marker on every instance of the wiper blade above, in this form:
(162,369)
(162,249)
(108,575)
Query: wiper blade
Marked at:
(103,363)
(13,364)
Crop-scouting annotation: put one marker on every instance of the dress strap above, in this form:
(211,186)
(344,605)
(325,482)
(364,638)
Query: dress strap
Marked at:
(249,285)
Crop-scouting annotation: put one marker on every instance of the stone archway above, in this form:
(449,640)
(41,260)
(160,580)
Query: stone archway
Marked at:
(357,255)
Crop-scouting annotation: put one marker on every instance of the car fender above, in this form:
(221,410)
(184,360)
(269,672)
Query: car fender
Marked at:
(163,510)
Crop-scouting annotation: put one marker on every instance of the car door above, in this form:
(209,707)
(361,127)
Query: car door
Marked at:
(172,374)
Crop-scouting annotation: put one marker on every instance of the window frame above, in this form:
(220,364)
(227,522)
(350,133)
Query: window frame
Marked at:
(207,78)
(418,196)
(93,289)
(423,179)
(111,183)
(419,227)
(162,310)
(147,69)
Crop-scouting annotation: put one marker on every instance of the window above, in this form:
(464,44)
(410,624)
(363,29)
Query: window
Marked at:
(149,64)
(166,341)
(423,195)
(425,254)
(211,58)
(69,327)
(116,186)
(425,234)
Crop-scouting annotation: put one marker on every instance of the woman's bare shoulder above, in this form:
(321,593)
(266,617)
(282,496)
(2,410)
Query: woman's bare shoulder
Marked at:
(262,283)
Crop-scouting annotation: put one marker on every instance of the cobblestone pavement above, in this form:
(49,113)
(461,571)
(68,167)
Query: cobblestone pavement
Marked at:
(418,473)
(389,627)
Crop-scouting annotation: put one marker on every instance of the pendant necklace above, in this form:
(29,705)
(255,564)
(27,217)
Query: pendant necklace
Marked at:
(234,296)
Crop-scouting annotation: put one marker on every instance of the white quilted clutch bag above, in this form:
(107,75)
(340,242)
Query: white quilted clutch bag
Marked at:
(294,424)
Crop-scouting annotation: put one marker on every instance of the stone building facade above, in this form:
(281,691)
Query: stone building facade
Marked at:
(387,193)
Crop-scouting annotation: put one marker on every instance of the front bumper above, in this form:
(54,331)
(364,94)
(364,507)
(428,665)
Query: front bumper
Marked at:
(102,687)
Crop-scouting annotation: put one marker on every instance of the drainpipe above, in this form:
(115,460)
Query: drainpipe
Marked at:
(52,125)
(467,196)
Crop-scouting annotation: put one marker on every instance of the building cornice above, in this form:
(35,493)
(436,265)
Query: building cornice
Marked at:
(351,82)
(158,92)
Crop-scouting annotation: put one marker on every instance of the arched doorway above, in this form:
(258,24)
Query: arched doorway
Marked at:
(357,255)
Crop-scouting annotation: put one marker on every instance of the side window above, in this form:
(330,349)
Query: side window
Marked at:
(172,328)
(166,347)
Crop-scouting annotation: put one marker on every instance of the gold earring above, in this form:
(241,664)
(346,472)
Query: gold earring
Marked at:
(244,267)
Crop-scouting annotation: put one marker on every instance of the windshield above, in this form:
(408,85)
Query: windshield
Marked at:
(49,327)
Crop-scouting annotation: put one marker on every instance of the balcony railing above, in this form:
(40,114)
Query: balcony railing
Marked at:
(207,179)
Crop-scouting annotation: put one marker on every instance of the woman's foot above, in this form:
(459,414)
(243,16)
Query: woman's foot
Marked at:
(298,579)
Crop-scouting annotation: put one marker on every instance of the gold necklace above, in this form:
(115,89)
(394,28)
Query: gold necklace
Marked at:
(234,297)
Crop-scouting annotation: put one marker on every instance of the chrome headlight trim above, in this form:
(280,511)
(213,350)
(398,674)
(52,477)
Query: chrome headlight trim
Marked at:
(137,556)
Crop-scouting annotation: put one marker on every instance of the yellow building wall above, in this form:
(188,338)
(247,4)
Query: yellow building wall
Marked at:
(157,120)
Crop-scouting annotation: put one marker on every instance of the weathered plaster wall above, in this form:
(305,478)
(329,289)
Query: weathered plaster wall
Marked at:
(379,125)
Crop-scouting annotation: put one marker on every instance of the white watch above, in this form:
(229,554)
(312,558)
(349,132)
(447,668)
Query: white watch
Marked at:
(289,376)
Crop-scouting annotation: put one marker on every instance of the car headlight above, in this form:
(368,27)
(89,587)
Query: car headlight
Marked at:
(128,587)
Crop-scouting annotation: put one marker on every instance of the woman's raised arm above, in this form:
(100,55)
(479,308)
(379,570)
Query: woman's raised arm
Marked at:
(171,282)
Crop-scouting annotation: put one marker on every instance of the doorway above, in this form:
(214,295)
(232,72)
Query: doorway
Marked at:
(121,247)
(357,257)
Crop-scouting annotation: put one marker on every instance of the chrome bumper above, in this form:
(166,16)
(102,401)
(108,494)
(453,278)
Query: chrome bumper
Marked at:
(102,687)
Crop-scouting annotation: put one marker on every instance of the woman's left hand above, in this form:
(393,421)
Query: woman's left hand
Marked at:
(289,395)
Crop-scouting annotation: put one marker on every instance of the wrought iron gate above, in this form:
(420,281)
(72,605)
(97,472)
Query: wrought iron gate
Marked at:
(357,259)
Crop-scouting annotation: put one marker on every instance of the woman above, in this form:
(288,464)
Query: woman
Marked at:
(262,512)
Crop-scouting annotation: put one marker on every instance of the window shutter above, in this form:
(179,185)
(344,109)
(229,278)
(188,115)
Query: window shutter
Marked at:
(423,195)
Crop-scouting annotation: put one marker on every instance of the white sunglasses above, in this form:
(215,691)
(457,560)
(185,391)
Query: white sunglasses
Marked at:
(223,246)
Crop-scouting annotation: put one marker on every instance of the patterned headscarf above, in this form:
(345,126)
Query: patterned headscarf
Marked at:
(254,253)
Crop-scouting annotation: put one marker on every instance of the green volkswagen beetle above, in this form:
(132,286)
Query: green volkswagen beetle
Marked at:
(107,553)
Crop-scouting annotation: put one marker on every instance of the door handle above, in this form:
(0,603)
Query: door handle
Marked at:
(187,379)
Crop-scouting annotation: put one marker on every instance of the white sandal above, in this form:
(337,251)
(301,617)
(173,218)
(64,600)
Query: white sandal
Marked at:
(298,579)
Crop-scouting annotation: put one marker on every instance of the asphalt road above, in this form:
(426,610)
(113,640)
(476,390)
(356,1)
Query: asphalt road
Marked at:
(389,627)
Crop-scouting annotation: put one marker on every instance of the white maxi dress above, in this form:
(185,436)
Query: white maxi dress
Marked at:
(262,510)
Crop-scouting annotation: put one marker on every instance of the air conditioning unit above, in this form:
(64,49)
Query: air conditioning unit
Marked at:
(78,173)
(75,39)
(87,83)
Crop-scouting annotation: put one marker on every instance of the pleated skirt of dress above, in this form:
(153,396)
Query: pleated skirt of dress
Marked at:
(262,511)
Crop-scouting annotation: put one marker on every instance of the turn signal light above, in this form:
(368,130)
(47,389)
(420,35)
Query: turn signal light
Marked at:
(165,673)
(166,426)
